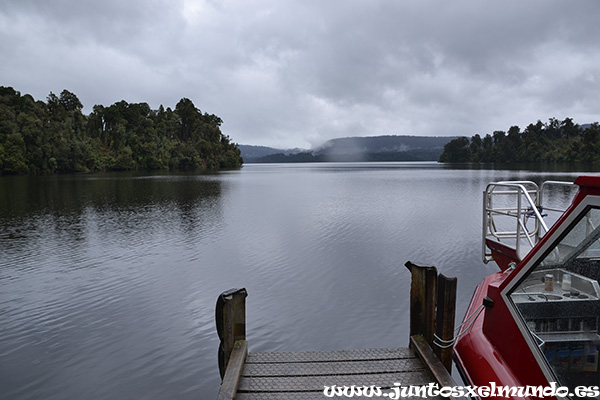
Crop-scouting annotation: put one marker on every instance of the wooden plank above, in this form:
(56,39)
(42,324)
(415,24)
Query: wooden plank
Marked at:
(333,368)
(334,355)
(445,312)
(233,373)
(318,383)
(439,372)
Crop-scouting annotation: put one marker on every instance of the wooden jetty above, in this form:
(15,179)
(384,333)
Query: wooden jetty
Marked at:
(304,375)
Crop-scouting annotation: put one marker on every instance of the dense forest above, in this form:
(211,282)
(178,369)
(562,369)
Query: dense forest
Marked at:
(555,142)
(55,136)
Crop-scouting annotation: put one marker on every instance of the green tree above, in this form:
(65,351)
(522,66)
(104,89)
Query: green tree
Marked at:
(15,161)
(457,150)
(189,118)
(590,144)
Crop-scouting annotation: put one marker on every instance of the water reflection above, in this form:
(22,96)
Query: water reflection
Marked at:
(74,207)
(92,282)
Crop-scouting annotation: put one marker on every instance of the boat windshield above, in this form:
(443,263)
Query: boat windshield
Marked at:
(559,301)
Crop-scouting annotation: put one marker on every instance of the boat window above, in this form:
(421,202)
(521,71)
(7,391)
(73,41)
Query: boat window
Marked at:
(559,301)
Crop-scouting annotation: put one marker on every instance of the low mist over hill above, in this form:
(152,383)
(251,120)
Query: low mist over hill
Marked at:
(373,148)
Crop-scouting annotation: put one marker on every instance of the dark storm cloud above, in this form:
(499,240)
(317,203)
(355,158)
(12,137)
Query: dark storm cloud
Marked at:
(290,73)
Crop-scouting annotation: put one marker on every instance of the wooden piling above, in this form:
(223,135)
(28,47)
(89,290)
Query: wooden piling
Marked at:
(230,316)
(445,313)
(423,289)
(432,309)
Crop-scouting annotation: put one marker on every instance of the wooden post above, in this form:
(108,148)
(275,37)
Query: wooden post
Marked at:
(432,309)
(422,300)
(230,316)
(445,310)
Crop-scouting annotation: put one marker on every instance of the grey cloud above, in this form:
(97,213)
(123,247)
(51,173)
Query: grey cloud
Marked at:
(292,73)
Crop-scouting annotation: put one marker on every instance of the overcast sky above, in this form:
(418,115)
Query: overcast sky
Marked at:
(294,73)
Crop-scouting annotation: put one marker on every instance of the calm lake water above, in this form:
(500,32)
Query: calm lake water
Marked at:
(108,282)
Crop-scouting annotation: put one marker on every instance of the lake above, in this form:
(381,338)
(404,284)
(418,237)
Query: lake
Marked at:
(109,281)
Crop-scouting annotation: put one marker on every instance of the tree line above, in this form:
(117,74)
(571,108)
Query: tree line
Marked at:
(555,141)
(383,156)
(55,136)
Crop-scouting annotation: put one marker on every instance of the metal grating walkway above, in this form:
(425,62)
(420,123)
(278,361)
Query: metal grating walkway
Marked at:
(304,375)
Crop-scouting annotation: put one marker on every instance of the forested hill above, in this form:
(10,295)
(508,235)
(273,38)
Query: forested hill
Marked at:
(368,148)
(55,136)
(555,141)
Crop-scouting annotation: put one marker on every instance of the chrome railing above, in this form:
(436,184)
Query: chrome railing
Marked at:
(508,208)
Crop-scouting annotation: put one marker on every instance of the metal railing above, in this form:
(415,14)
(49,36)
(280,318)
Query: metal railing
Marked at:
(508,207)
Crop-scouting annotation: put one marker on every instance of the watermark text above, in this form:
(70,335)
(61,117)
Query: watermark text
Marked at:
(433,390)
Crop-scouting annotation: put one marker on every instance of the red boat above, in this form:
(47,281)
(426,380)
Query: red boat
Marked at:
(535,322)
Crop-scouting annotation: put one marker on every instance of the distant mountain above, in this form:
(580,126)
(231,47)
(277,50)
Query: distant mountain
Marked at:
(252,153)
(404,148)
(371,148)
